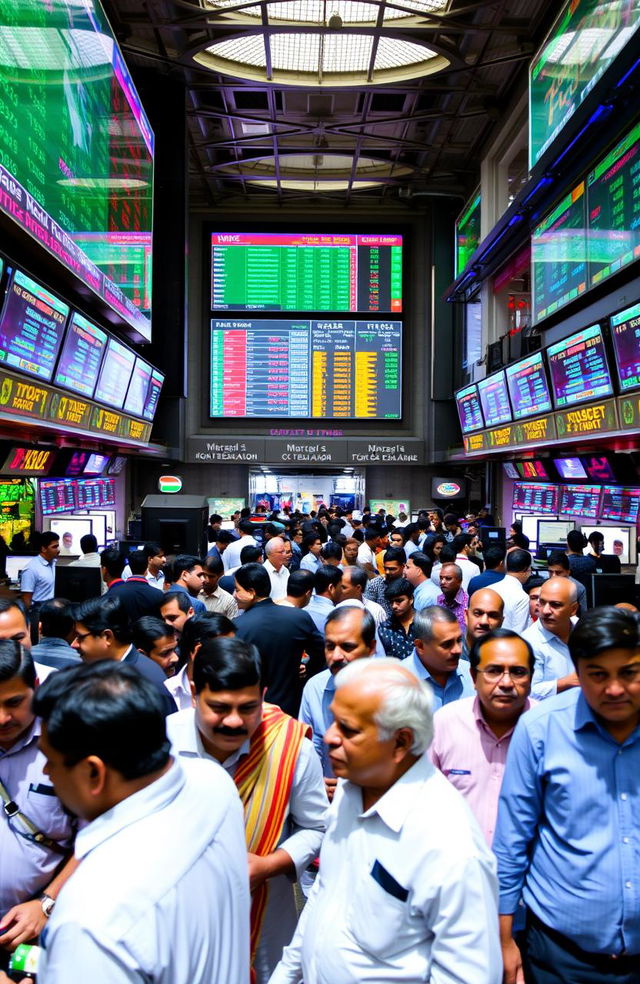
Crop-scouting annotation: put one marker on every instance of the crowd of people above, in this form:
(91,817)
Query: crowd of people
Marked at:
(437,745)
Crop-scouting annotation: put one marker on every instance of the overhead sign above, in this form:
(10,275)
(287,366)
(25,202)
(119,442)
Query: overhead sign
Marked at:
(563,426)
(291,452)
(29,461)
(169,484)
(448,488)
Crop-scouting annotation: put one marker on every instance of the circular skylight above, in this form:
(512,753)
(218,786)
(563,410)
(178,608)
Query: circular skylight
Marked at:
(317,172)
(319,12)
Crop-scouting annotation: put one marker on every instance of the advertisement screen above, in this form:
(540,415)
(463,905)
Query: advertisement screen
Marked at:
(579,368)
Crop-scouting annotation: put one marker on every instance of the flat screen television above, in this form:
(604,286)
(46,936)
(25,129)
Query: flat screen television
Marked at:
(469,409)
(554,531)
(535,497)
(598,468)
(510,470)
(70,530)
(76,139)
(559,255)
(580,500)
(58,495)
(532,469)
(96,464)
(618,540)
(304,368)
(609,589)
(81,356)
(528,387)
(117,465)
(620,504)
(625,333)
(570,469)
(115,374)
(31,325)
(77,584)
(579,368)
(284,271)
(96,492)
(467,233)
(494,399)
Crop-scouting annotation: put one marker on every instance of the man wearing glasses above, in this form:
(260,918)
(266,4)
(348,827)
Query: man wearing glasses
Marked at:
(471,736)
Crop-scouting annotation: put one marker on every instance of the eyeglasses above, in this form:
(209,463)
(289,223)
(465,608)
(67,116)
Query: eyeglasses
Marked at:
(81,636)
(495,673)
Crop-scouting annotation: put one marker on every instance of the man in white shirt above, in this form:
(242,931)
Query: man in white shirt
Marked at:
(516,600)
(124,916)
(276,567)
(277,774)
(367,552)
(554,671)
(417,571)
(462,545)
(231,556)
(406,889)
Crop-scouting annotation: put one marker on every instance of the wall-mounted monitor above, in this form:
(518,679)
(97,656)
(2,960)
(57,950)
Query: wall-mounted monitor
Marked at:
(618,540)
(31,326)
(533,468)
(28,461)
(554,531)
(138,388)
(530,527)
(76,463)
(620,504)
(115,374)
(625,333)
(494,399)
(510,470)
(303,368)
(528,387)
(535,497)
(70,530)
(58,496)
(579,368)
(96,492)
(467,233)
(469,409)
(152,398)
(570,469)
(117,465)
(580,500)
(96,464)
(280,271)
(598,468)
(81,355)
(559,255)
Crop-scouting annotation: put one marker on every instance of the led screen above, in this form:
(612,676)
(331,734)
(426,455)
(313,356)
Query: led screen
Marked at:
(625,332)
(306,272)
(58,496)
(531,469)
(559,255)
(620,504)
(117,465)
(144,390)
(528,387)
(469,409)
(554,531)
(510,469)
(81,356)
(598,468)
(579,369)
(96,464)
(583,42)
(614,208)
(98,492)
(115,374)
(31,327)
(618,540)
(570,468)
(534,497)
(77,463)
(306,368)
(494,399)
(76,147)
(153,395)
(467,234)
(70,530)
(580,500)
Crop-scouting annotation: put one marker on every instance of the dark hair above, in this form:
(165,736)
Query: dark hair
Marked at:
(475,654)
(182,563)
(88,543)
(326,577)
(602,628)
(308,541)
(214,518)
(56,621)
(299,583)
(226,664)
(518,561)
(368,630)
(147,630)
(451,520)
(245,525)
(250,554)
(533,582)
(596,537)
(113,561)
(398,588)
(214,565)
(576,541)
(493,556)
(254,577)
(448,554)
(358,576)
(558,558)
(437,511)
(460,541)
(516,526)
(138,562)
(16,661)
(152,549)
(100,614)
(402,531)
(331,549)
(372,533)
(224,536)
(105,709)
(394,555)
(422,561)
(46,539)
(182,599)
(520,540)
(207,625)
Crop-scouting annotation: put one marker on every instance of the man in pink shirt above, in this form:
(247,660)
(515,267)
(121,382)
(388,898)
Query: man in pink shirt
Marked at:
(471,736)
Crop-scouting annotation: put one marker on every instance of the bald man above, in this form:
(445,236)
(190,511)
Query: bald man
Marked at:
(484,613)
(549,637)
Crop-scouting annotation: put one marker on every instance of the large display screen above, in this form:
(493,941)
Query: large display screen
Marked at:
(583,42)
(274,271)
(625,332)
(528,387)
(306,369)
(559,255)
(81,356)
(598,468)
(580,500)
(98,492)
(579,369)
(620,504)
(467,233)
(75,144)
(535,497)
(115,374)
(570,468)
(31,327)
(494,399)
(531,469)
(469,409)
(58,496)
(614,208)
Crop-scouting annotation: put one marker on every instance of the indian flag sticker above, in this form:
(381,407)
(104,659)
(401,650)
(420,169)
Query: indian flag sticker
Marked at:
(169,484)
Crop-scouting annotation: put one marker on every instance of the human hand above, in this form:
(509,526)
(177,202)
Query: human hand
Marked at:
(21,924)
(512,961)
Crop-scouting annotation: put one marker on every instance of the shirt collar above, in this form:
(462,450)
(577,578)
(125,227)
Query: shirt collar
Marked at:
(550,637)
(32,734)
(584,718)
(482,723)
(393,807)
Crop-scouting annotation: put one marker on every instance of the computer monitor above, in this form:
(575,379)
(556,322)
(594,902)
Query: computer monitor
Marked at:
(609,589)
(78,583)
(491,535)
(618,540)
(15,564)
(553,532)
(70,529)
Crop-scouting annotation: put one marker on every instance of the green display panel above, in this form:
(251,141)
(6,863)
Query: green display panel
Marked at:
(582,44)
(467,233)
(76,149)
(559,255)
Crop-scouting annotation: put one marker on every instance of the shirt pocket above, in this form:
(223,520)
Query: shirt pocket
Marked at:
(379,914)
(43,808)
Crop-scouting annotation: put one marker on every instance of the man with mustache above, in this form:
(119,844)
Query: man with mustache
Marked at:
(278,776)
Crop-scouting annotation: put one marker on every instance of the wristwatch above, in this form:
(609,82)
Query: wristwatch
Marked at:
(47,904)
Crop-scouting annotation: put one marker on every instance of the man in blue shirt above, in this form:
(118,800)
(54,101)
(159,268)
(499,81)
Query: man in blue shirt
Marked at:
(568,833)
(436,657)
(37,583)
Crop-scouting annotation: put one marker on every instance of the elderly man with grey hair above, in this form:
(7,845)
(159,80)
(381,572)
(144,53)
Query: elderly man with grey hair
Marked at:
(436,656)
(276,566)
(407,889)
